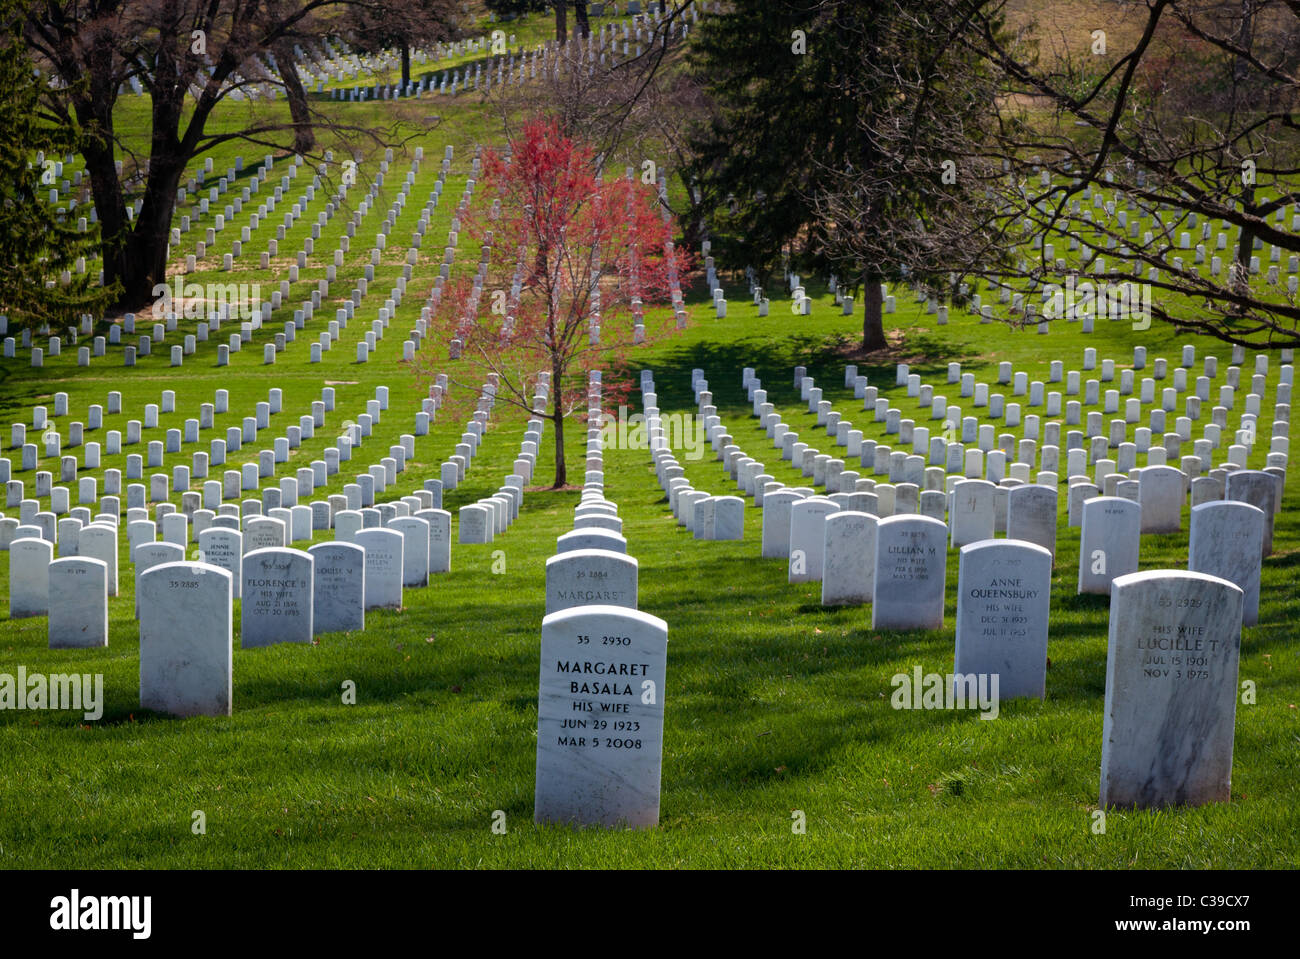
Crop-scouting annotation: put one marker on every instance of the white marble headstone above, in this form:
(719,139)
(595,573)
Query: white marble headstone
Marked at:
(849,558)
(338,592)
(1109,542)
(78,603)
(1171,690)
(384,566)
(600,717)
(186,640)
(587,577)
(1226,540)
(276,605)
(1003,601)
(911,564)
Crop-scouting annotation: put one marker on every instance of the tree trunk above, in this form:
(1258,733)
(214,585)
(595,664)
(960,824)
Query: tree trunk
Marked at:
(873,304)
(303,136)
(584,25)
(406,66)
(106,192)
(147,244)
(557,419)
(561,21)
(1239,278)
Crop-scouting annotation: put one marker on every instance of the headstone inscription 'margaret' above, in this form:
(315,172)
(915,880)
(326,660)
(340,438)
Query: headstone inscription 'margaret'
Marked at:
(600,717)
(586,577)
(186,640)
(1003,599)
(911,562)
(1171,690)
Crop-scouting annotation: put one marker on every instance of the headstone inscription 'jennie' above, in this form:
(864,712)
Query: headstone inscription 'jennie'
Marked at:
(600,717)
(1003,598)
(585,577)
(186,640)
(1171,690)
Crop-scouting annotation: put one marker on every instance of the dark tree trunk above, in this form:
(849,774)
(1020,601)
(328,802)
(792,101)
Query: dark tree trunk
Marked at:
(303,136)
(561,21)
(584,25)
(557,418)
(406,66)
(873,307)
(1239,278)
(106,191)
(146,248)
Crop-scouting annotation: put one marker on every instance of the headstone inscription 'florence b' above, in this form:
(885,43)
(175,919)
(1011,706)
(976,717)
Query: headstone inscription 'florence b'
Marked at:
(186,640)
(911,562)
(600,717)
(277,598)
(1171,690)
(1003,600)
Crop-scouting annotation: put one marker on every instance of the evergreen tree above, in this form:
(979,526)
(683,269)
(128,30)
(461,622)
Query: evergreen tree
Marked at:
(36,243)
(801,90)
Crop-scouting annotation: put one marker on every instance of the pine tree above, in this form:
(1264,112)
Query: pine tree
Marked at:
(37,244)
(797,88)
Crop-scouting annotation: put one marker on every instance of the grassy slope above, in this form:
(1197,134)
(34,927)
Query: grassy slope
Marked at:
(773,703)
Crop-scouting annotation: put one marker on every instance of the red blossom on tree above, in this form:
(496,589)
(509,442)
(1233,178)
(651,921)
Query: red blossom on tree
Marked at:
(570,261)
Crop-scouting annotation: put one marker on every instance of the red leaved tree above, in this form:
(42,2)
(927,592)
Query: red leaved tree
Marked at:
(570,260)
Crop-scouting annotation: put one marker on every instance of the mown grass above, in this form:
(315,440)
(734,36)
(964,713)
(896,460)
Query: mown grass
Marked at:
(773,704)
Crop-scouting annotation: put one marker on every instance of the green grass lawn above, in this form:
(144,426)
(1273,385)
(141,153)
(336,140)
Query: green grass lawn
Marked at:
(773,704)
